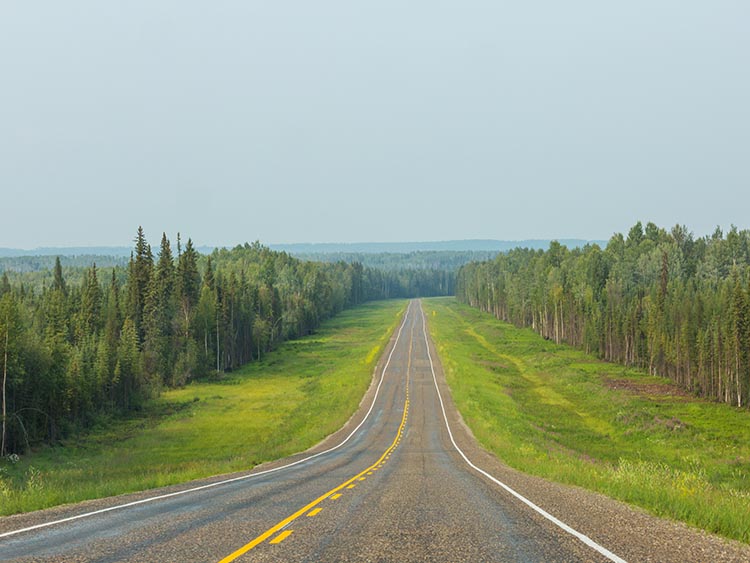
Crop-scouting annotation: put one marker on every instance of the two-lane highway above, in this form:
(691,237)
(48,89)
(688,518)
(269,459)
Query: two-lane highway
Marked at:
(403,481)
(419,500)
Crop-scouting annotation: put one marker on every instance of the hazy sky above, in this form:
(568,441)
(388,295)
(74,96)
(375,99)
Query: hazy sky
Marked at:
(344,121)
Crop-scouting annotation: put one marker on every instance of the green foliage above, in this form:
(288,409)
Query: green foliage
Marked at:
(407,274)
(83,350)
(658,300)
(557,412)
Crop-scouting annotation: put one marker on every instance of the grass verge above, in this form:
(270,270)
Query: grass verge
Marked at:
(556,412)
(292,399)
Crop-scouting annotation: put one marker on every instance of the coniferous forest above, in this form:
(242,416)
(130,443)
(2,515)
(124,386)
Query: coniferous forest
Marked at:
(676,305)
(72,352)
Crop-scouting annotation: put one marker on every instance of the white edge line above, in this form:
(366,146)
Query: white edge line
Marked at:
(585,539)
(226,481)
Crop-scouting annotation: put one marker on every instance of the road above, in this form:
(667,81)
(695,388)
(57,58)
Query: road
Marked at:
(403,481)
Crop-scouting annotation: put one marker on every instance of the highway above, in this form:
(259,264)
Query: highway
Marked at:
(403,481)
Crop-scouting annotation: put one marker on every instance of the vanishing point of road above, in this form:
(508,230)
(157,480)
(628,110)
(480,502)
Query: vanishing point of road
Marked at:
(404,480)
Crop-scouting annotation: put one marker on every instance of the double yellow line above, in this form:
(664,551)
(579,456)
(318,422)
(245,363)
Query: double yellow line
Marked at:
(346,484)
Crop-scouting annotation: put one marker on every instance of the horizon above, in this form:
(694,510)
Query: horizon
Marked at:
(303,243)
(204,245)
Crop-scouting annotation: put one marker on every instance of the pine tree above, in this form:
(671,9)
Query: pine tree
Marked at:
(208,275)
(91,304)
(140,271)
(4,284)
(128,366)
(113,315)
(159,315)
(188,276)
(188,285)
(58,282)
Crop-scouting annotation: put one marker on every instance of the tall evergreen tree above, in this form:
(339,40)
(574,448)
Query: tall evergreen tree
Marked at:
(140,271)
(91,304)
(4,284)
(58,282)
(188,275)
(159,314)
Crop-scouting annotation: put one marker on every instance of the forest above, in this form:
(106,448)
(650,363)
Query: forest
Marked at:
(80,344)
(675,305)
(446,260)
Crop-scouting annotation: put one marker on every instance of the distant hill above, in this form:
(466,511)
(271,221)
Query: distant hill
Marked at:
(111,251)
(406,247)
(67,251)
(476,245)
(24,264)
(446,260)
(22,261)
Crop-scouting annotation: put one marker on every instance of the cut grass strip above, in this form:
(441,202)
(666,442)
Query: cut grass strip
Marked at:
(296,396)
(556,412)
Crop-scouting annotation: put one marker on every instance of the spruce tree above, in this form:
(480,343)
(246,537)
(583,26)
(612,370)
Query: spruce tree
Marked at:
(159,314)
(140,271)
(208,275)
(91,303)
(4,284)
(113,316)
(58,282)
(188,276)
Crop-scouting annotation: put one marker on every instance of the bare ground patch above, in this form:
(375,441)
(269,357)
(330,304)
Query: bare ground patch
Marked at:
(649,390)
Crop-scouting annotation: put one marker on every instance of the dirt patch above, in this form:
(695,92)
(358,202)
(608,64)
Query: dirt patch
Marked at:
(644,421)
(494,366)
(672,424)
(649,390)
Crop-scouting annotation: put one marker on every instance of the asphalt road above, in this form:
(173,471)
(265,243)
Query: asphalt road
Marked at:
(403,481)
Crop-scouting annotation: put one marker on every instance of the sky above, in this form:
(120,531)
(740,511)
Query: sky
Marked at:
(346,121)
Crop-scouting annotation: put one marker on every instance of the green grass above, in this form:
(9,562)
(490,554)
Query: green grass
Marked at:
(298,394)
(556,412)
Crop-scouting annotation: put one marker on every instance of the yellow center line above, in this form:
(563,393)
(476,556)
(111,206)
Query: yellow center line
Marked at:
(336,496)
(314,511)
(349,484)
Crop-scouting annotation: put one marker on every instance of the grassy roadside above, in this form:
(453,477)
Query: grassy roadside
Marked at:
(302,392)
(556,412)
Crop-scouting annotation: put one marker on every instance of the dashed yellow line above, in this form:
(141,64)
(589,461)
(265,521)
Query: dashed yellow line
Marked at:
(314,511)
(281,537)
(349,484)
(336,496)
(284,523)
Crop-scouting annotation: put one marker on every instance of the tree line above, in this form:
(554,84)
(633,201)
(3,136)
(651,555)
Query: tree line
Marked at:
(447,260)
(676,305)
(103,346)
